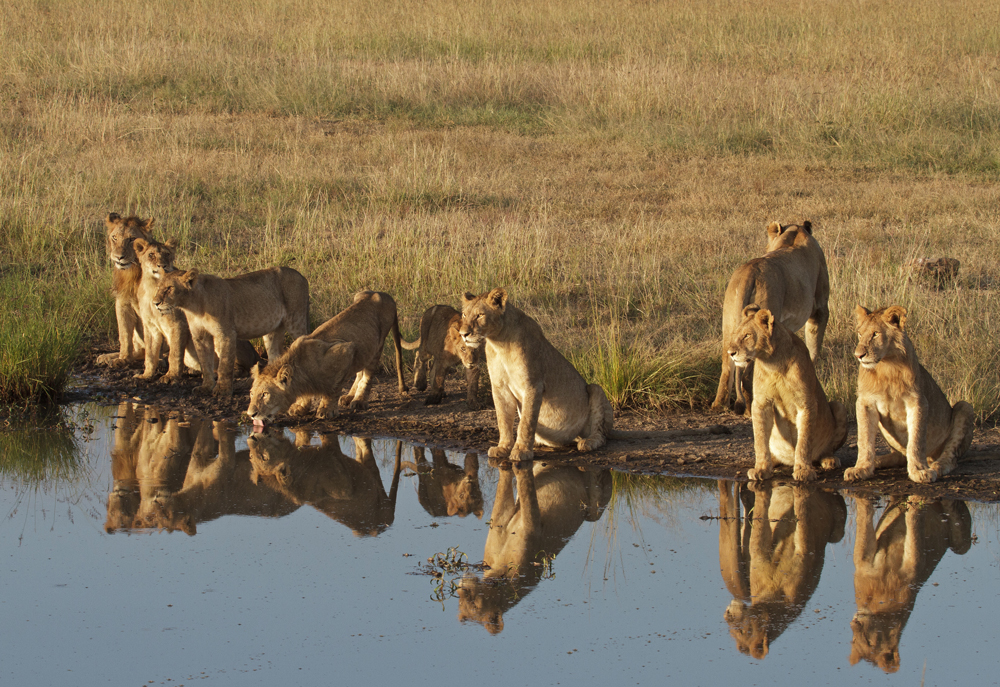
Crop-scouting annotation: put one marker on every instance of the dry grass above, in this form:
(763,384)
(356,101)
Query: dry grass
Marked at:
(611,165)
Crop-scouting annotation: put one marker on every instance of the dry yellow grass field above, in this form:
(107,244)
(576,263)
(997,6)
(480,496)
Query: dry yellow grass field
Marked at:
(609,164)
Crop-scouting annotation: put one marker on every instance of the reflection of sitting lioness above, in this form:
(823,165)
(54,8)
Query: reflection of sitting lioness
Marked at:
(123,501)
(551,505)
(164,454)
(346,489)
(891,563)
(773,570)
(444,489)
(217,483)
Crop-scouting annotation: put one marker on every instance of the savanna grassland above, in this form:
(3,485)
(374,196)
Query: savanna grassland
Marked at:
(609,163)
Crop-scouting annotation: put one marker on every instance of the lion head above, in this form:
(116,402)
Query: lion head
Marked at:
(122,232)
(880,334)
(753,337)
(271,393)
(175,290)
(268,457)
(453,342)
(482,316)
(156,259)
(787,235)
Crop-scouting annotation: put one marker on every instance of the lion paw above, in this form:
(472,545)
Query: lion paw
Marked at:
(359,404)
(204,390)
(755,474)
(498,452)
(854,474)
(518,455)
(806,474)
(169,378)
(345,401)
(433,399)
(922,476)
(474,404)
(830,463)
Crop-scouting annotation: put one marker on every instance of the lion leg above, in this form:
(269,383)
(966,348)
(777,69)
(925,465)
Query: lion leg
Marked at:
(816,330)
(958,441)
(743,382)
(274,343)
(762,414)
(472,388)
(361,388)
(867,427)
(725,383)
(226,344)
(916,447)
(437,381)
(154,342)
(837,438)
(506,406)
(178,337)
(599,422)
(205,345)
(420,371)
(131,343)
(531,405)
(303,405)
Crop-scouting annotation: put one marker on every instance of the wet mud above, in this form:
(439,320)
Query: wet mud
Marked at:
(720,445)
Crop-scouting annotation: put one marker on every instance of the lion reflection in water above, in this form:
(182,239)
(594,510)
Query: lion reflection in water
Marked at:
(892,562)
(771,559)
(348,490)
(172,472)
(552,503)
(444,489)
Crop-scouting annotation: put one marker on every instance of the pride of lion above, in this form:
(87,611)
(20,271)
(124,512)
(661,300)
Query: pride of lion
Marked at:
(538,396)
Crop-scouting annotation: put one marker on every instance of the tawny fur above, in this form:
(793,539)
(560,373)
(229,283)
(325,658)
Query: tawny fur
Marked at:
(218,311)
(440,347)
(791,281)
(122,231)
(772,557)
(892,562)
(793,423)
(444,489)
(316,367)
(533,380)
(897,395)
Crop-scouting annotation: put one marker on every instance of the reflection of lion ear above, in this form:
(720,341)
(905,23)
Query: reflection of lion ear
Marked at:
(284,475)
(895,316)
(494,623)
(188,526)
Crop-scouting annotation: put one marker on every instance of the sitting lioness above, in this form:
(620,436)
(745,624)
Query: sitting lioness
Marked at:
(316,367)
(219,311)
(533,380)
(122,231)
(440,347)
(791,281)
(892,562)
(897,395)
(792,421)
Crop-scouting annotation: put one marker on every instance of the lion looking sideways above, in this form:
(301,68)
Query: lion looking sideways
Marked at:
(440,346)
(318,365)
(896,394)
(792,421)
(791,281)
(219,311)
(122,231)
(532,379)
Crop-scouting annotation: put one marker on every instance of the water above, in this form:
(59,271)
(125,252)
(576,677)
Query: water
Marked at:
(306,566)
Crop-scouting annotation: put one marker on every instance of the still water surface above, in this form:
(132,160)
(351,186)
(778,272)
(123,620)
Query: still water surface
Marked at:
(144,548)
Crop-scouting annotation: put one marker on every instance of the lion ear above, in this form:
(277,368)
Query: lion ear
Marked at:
(861,314)
(895,316)
(113,218)
(148,224)
(190,278)
(498,298)
(468,297)
(284,376)
(750,310)
(808,226)
(256,370)
(773,229)
(171,243)
(766,319)
(140,246)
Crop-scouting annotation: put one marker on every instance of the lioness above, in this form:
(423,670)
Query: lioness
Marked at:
(219,311)
(532,379)
(792,421)
(771,561)
(892,562)
(122,231)
(552,503)
(791,281)
(440,347)
(318,365)
(348,490)
(897,395)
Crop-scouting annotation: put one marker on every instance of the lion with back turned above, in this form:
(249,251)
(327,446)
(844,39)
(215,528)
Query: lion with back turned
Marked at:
(440,348)
(532,380)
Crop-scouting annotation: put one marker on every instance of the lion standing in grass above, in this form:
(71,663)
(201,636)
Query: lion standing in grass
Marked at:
(790,280)
(793,423)
(897,395)
(533,380)
(122,231)
(441,348)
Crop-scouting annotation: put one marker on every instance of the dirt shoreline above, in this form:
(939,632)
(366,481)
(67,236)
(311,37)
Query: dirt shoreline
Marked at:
(726,454)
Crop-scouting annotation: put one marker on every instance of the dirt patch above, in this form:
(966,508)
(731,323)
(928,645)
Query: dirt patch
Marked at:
(725,454)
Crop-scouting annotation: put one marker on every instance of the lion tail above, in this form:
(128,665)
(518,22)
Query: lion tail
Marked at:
(410,346)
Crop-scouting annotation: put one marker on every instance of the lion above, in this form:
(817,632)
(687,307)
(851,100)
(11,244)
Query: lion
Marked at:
(316,367)
(792,421)
(892,562)
(123,500)
(167,443)
(526,534)
(533,380)
(219,311)
(348,490)
(444,489)
(771,561)
(122,231)
(896,394)
(441,348)
(790,280)
(218,482)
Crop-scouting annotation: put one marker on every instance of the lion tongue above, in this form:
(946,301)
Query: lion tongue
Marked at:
(258,425)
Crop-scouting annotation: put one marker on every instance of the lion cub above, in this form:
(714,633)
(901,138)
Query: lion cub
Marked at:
(219,311)
(792,421)
(440,347)
(897,395)
(533,380)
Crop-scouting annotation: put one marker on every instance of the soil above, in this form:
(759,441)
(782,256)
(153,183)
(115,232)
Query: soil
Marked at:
(720,445)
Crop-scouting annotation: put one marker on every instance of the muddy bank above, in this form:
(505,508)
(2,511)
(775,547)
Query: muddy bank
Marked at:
(726,453)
